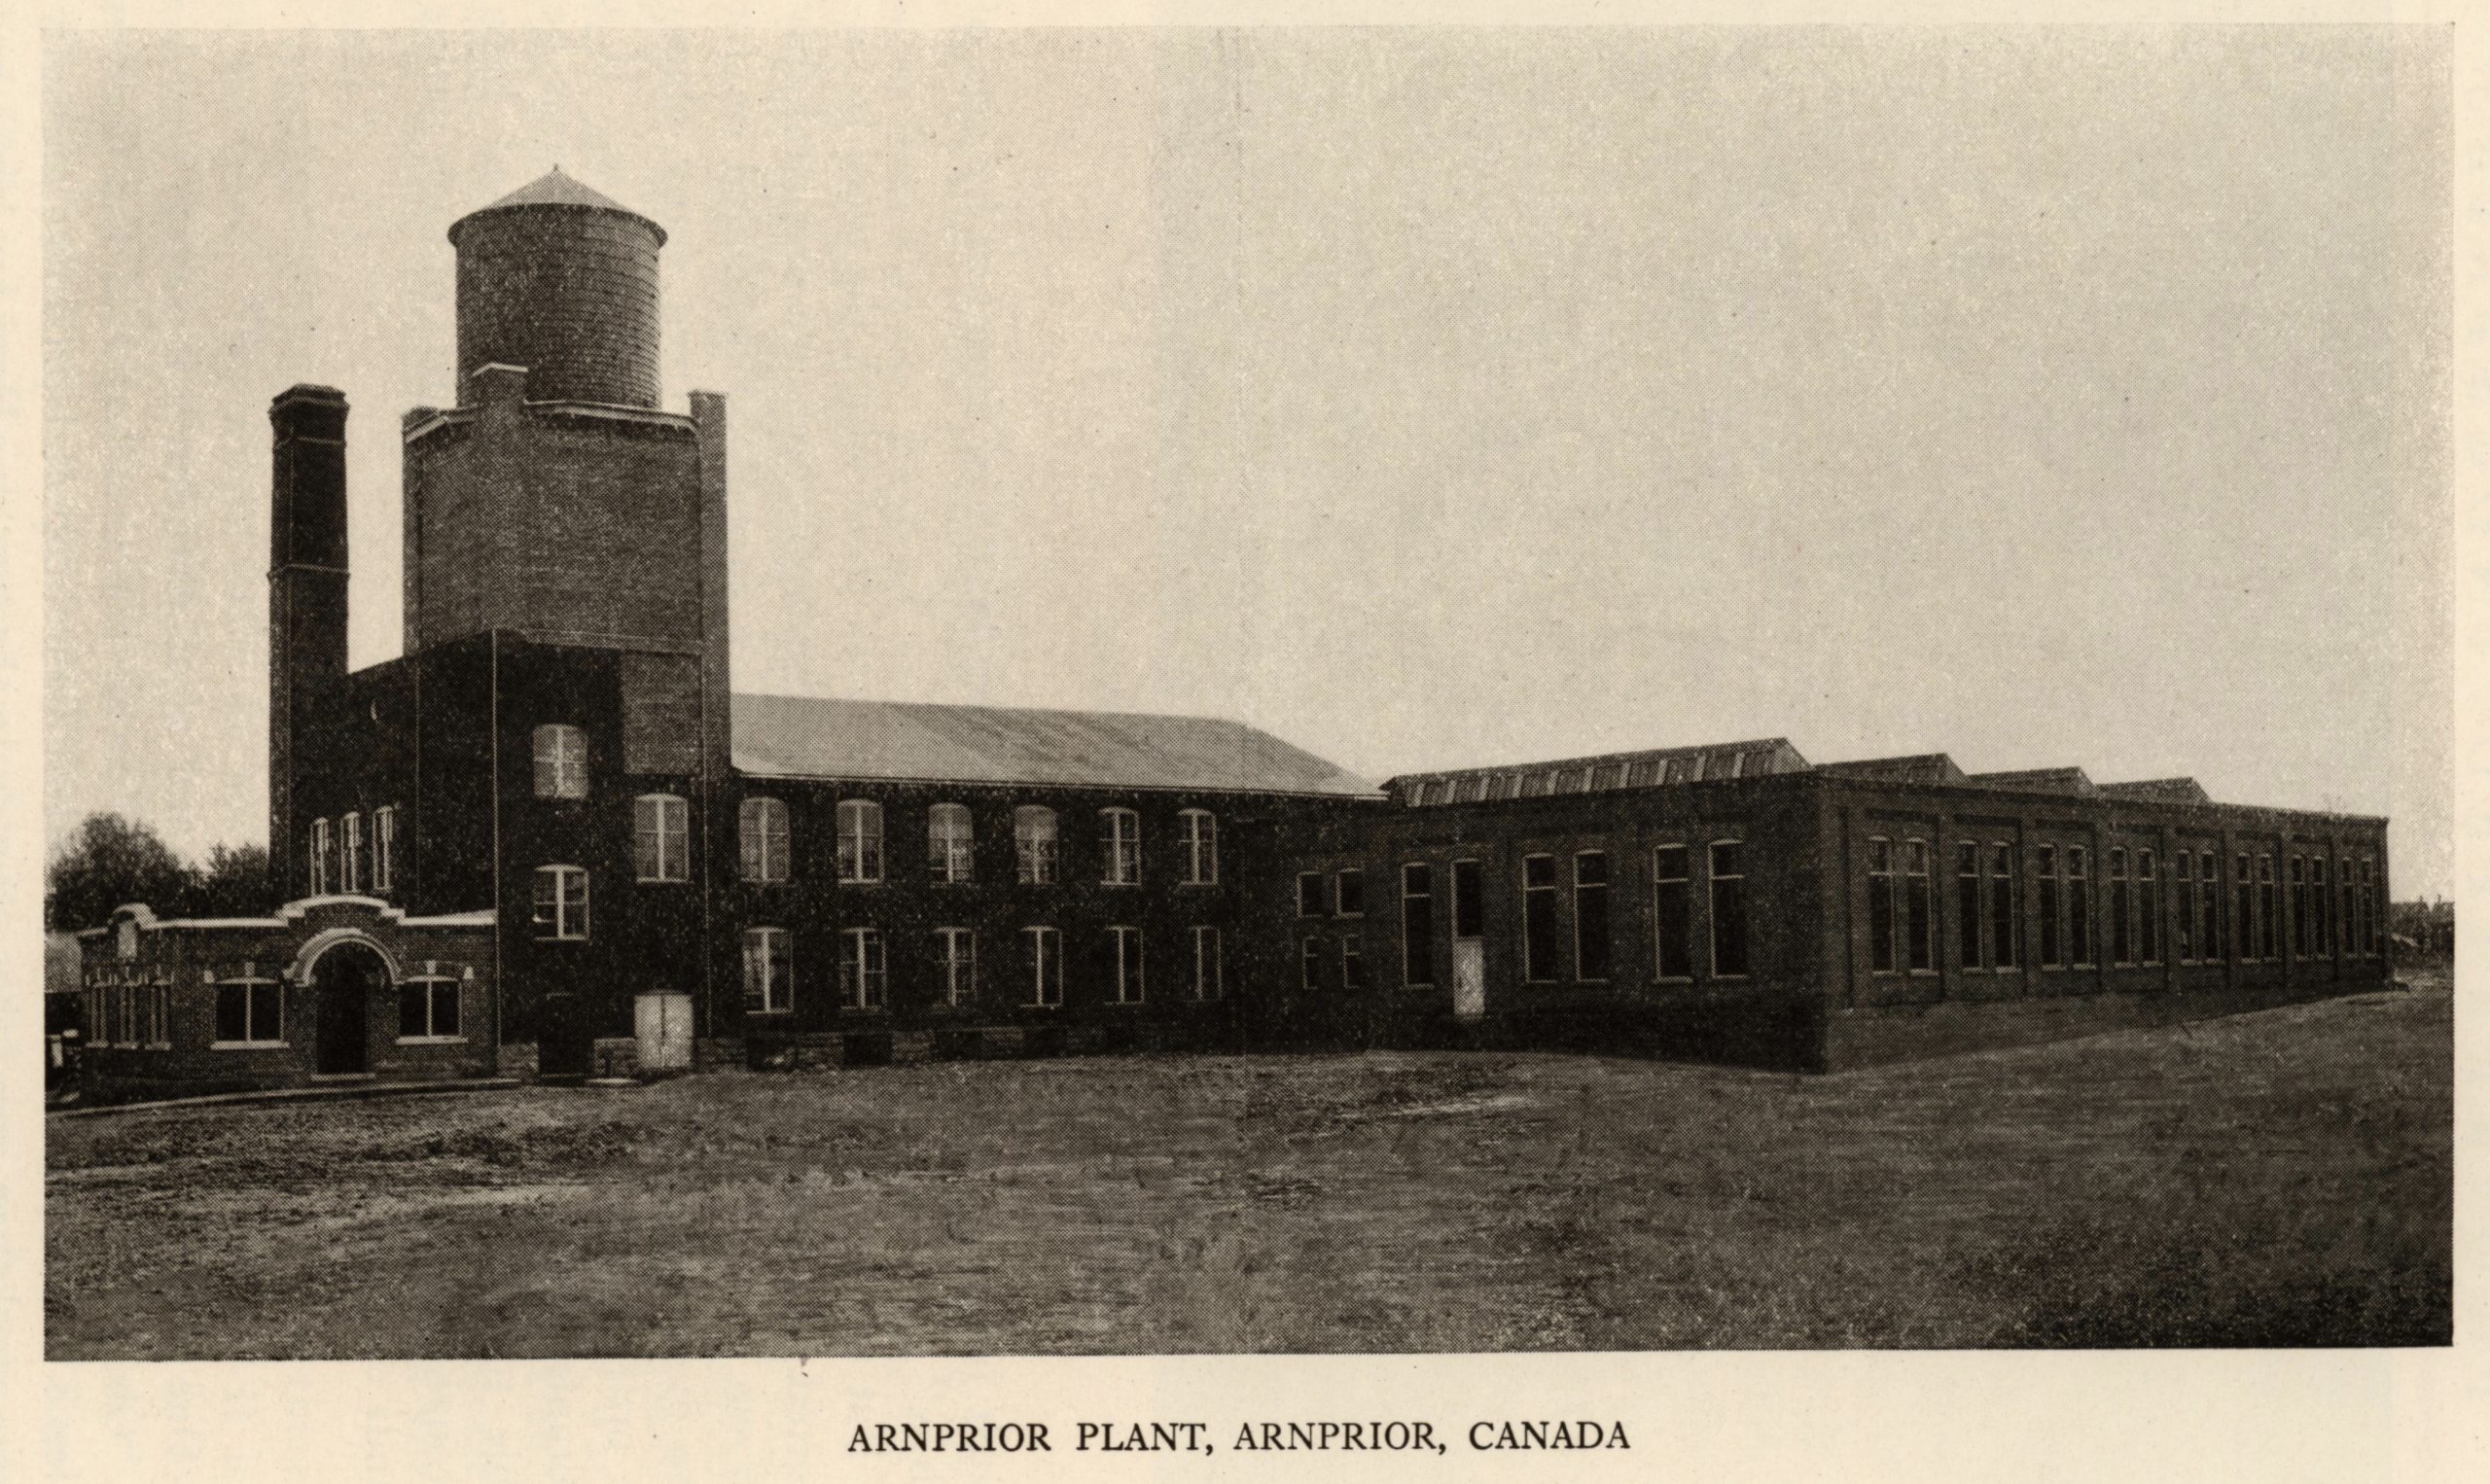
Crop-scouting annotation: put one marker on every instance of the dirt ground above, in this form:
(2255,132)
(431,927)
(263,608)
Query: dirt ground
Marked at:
(2276,1178)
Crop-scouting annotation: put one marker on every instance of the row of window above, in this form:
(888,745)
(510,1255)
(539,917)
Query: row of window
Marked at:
(2331,909)
(250,1009)
(350,859)
(1544,941)
(864,967)
(661,851)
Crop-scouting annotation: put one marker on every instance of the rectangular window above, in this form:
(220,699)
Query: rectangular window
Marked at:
(864,970)
(248,1009)
(1348,895)
(1730,910)
(1210,982)
(2006,908)
(2185,939)
(1469,904)
(1418,925)
(660,837)
(2321,894)
(2301,945)
(2208,906)
(561,903)
(860,841)
(1201,848)
(1309,894)
(1539,918)
(384,848)
(768,971)
(2270,926)
(1352,963)
(428,1006)
(1309,965)
(561,761)
(1046,966)
(2079,907)
(1884,909)
(160,1014)
(762,838)
(1919,906)
(320,874)
(1120,847)
(1033,832)
(2243,912)
(1672,913)
(955,957)
(2053,942)
(1967,904)
(2123,907)
(1591,916)
(350,854)
(1124,943)
(951,845)
(2148,908)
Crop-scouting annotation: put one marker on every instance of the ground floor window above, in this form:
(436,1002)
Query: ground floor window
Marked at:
(864,970)
(1672,913)
(250,1009)
(1418,925)
(1728,909)
(768,971)
(1352,963)
(1045,965)
(955,950)
(427,1004)
(1124,946)
(1209,983)
(1539,918)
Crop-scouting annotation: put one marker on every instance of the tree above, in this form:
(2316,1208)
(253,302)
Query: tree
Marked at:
(234,883)
(110,861)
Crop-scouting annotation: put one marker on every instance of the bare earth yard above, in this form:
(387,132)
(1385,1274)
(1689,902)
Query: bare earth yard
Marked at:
(2278,1179)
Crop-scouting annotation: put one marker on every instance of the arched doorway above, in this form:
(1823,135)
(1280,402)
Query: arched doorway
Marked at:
(345,981)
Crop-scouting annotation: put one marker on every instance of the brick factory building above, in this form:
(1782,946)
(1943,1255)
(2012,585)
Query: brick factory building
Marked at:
(551,838)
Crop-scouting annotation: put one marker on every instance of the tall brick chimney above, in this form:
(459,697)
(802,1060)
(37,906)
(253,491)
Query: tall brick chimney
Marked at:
(306,599)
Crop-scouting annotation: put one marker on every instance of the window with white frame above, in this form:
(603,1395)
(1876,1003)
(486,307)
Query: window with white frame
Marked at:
(768,971)
(761,836)
(1539,918)
(561,904)
(2122,947)
(350,853)
(2185,943)
(2078,906)
(955,956)
(1034,841)
(1120,847)
(384,848)
(561,761)
(2269,916)
(1418,925)
(1045,965)
(1309,894)
(320,876)
(662,838)
(1210,982)
(1348,892)
(2148,908)
(864,971)
(428,1004)
(860,841)
(250,1008)
(1591,916)
(2006,908)
(1919,906)
(1124,946)
(1884,909)
(1728,883)
(155,1013)
(1966,906)
(1672,913)
(1310,964)
(951,840)
(1352,963)
(1201,847)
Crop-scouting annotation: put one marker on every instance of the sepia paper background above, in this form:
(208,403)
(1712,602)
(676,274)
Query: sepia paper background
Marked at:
(2323,1415)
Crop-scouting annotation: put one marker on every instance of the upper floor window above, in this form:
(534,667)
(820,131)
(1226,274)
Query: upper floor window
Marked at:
(949,841)
(1201,847)
(662,838)
(860,840)
(760,826)
(561,761)
(1348,892)
(1309,894)
(1120,847)
(384,848)
(320,877)
(561,902)
(768,971)
(350,853)
(1033,837)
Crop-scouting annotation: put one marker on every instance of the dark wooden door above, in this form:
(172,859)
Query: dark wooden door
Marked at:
(345,983)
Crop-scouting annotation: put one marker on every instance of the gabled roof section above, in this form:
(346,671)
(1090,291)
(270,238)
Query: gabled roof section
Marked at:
(1653,768)
(1924,767)
(788,736)
(2168,791)
(2043,780)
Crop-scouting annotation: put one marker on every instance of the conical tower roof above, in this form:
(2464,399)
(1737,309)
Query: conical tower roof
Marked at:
(555,189)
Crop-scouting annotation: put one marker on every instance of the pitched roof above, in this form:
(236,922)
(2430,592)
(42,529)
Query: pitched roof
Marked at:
(2042,780)
(791,736)
(1924,767)
(555,189)
(2184,791)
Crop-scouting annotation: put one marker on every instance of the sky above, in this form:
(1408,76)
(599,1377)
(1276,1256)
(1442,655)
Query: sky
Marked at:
(1426,398)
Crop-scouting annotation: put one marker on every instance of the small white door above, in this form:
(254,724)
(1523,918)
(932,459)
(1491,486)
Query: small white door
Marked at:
(1469,979)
